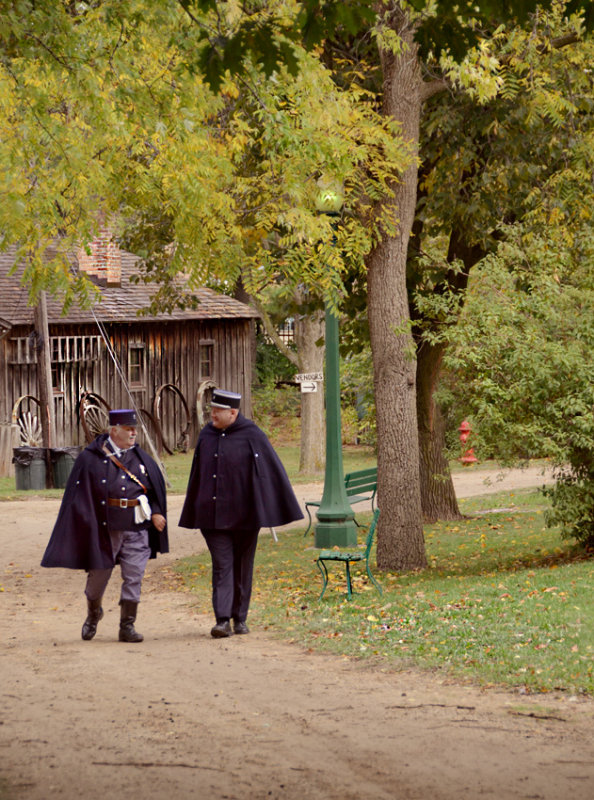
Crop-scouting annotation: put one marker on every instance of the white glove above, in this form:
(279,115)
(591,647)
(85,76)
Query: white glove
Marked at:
(142,512)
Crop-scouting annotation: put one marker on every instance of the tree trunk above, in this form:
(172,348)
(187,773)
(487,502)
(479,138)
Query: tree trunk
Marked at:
(400,542)
(437,490)
(44,382)
(309,330)
(438,497)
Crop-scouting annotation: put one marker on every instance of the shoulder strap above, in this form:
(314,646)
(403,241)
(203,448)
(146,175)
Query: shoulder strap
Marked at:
(127,471)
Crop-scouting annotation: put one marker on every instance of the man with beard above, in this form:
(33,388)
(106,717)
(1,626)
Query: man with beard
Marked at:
(113,512)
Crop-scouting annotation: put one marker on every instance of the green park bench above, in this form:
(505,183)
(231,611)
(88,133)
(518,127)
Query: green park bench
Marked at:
(360,485)
(348,558)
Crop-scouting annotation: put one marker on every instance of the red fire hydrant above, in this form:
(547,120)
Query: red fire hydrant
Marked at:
(468,456)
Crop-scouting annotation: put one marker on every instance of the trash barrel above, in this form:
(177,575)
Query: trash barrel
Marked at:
(63,459)
(29,467)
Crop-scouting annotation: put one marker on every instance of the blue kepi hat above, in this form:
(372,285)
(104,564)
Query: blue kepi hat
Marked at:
(222,399)
(123,416)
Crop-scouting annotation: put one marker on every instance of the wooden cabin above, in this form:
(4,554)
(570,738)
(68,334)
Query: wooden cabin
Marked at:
(110,357)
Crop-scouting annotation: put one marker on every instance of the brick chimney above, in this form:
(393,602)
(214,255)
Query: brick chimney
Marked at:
(102,260)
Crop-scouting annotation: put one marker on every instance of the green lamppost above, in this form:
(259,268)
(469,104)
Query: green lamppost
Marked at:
(336,522)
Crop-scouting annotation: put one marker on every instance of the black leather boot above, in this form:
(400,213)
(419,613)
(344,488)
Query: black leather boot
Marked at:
(127,620)
(94,614)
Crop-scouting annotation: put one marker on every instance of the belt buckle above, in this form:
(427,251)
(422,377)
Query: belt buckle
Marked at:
(123,502)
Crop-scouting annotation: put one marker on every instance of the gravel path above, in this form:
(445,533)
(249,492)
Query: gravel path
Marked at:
(184,716)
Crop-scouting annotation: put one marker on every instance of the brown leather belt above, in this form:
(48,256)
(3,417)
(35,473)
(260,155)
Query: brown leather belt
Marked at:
(122,502)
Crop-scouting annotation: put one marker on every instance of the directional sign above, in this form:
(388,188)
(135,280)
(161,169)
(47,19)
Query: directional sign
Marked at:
(305,377)
(308,387)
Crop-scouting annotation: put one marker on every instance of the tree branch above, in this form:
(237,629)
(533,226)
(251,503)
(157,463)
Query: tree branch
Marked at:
(431,88)
(272,333)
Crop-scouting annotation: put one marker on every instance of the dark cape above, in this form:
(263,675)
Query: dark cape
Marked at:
(80,539)
(237,481)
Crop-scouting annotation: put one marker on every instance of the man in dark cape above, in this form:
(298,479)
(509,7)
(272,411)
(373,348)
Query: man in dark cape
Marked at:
(113,512)
(237,485)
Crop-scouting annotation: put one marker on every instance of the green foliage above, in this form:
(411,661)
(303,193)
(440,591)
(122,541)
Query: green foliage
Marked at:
(441,26)
(572,499)
(254,210)
(524,154)
(271,365)
(523,363)
(504,602)
(358,396)
(279,401)
(106,112)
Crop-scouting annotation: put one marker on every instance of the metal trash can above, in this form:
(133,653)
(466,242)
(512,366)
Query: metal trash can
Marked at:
(63,459)
(29,467)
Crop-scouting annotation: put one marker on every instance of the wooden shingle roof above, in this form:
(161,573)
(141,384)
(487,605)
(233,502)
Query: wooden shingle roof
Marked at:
(118,304)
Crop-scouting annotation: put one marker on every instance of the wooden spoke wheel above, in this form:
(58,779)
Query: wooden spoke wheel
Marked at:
(26,416)
(203,396)
(172,415)
(93,412)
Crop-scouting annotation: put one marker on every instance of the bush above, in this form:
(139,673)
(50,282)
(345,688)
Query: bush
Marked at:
(572,497)
(271,365)
(572,502)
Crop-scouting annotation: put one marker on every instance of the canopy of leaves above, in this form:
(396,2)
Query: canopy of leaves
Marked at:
(501,160)
(85,88)
(105,114)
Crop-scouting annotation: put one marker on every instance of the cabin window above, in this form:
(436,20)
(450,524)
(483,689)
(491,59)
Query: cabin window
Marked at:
(206,359)
(63,349)
(58,378)
(136,363)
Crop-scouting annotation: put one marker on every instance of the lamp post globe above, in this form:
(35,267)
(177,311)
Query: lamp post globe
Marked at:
(330,201)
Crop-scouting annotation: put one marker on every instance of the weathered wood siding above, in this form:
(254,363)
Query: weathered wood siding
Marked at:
(171,352)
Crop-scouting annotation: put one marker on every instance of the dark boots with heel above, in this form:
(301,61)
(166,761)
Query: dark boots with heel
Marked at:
(94,614)
(127,619)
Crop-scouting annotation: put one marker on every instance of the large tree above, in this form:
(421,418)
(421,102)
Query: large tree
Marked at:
(416,67)
(482,167)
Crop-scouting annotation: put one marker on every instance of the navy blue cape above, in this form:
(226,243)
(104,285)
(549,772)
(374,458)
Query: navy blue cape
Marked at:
(237,481)
(80,539)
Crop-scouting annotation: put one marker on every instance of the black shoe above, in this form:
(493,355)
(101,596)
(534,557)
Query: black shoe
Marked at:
(94,615)
(240,627)
(128,632)
(222,630)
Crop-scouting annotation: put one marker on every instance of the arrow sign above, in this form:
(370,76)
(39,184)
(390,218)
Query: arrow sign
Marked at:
(304,377)
(308,387)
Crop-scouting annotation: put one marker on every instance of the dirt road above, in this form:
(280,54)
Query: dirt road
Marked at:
(186,716)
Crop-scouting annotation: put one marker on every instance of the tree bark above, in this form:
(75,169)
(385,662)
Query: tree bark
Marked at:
(400,542)
(44,382)
(438,498)
(308,357)
(309,331)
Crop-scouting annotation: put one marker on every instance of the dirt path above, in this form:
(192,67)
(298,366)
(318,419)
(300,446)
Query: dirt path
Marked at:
(185,716)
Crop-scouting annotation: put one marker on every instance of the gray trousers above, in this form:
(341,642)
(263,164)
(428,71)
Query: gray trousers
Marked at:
(131,551)
(233,554)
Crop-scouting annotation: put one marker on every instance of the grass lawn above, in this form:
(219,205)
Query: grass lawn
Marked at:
(504,601)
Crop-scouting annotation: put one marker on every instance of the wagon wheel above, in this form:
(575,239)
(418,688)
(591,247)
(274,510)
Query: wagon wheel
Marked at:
(203,396)
(28,423)
(93,412)
(152,426)
(166,404)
